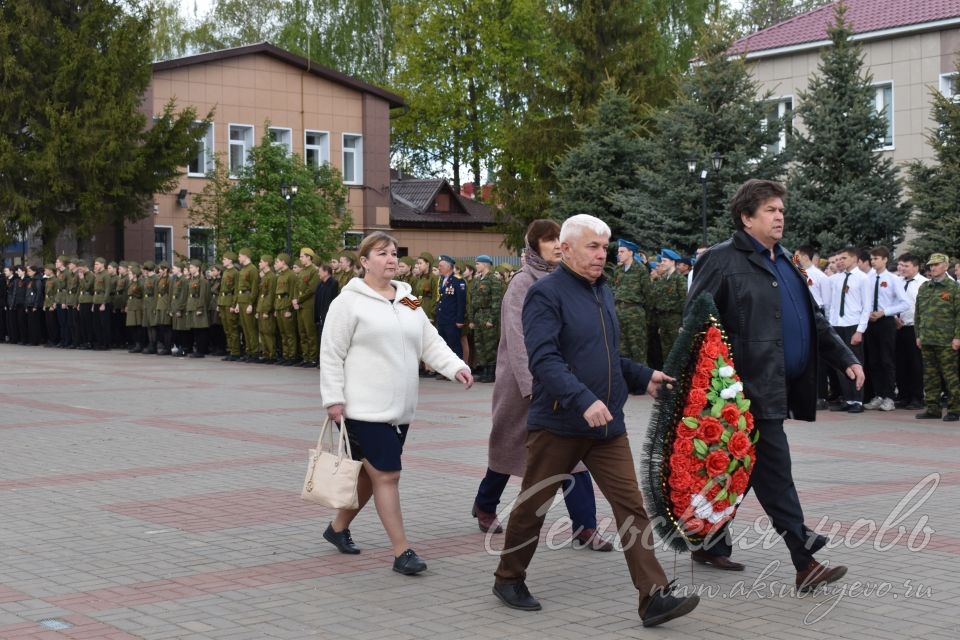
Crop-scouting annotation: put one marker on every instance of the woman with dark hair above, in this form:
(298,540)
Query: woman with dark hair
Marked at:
(511,402)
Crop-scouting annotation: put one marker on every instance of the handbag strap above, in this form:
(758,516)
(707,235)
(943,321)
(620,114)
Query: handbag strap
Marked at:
(342,444)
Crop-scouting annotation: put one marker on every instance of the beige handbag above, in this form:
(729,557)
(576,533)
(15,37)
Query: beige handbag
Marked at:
(332,475)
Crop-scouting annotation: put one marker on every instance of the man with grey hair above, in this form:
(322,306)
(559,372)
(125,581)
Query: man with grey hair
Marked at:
(580,385)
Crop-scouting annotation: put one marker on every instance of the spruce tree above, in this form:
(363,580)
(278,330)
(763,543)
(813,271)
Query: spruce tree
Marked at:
(935,189)
(602,165)
(844,189)
(719,109)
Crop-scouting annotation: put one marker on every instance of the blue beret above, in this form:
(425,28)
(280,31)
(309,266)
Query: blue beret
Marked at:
(448,259)
(629,245)
(653,264)
(485,258)
(670,253)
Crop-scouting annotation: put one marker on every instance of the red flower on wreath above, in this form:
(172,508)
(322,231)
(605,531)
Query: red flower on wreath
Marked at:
(684,446)
(711,349)
(749,419)
(739,445)
(711,429)
(717,462)
(739,481)
(697,400)
(731,414)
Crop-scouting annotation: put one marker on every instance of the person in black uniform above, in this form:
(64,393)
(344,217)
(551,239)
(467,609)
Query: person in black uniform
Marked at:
(451,305)
(20,305)
(326,292)
(33,305)
(7,274)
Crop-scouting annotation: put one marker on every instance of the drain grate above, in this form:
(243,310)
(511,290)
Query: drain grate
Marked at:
(55,624)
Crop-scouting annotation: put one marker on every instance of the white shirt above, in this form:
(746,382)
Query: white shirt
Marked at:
(911,286)
(891,298)
(819,285)
(855,310)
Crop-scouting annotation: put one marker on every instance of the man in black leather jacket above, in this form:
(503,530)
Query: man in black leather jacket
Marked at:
(777,335)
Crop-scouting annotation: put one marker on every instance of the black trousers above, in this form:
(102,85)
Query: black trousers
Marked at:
(199,338)
(53,326)
(772,482)
(23,335)
(85,317)
(909,366)
(104,325)
(880,343)
(848,387)
(118,328)
(35,322)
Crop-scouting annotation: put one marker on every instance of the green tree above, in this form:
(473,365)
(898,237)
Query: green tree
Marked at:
(935,189)
(640,45)
(251,212)
(603,164)
(843,189)
(75,149)
(720,109)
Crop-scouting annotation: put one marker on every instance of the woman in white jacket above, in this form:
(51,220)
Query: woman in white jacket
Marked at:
(373,340)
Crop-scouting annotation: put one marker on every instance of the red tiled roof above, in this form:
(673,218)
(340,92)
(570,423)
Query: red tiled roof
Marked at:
(864,16)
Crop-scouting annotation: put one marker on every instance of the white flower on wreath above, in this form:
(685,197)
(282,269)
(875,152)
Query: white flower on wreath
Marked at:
(726,372)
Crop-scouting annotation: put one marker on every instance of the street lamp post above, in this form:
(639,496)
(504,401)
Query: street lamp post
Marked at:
(717,160)
(288,192)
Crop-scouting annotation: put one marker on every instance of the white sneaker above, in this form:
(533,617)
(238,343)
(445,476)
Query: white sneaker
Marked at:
(874,404)
(887,405)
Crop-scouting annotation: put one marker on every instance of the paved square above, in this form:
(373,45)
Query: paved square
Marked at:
(152,497)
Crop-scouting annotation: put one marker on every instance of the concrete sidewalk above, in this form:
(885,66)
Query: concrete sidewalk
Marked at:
(151,497)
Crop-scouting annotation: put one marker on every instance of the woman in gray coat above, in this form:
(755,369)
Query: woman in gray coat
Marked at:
(511,402)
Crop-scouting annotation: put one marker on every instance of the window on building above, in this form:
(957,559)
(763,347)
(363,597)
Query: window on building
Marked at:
(162,239)
(316,145)
(202,162)
(781,110)
(352,240)
(241,141)
(200,244)
(948,86)
(352,158)
(884,102)
(282,136)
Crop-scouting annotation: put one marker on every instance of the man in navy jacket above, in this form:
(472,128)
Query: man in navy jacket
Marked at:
(451,305)
(580,385)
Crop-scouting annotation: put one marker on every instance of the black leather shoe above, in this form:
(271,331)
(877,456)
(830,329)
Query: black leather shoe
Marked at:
(341,540)
(926,415)
(843,406)
(951,417)
(720,562)
(664,606)
(516,596)
(409,563)
(856,407)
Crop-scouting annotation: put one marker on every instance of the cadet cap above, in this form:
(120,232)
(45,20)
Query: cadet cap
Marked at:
(284,258)
(149,266)
(937,258)
(266,258)
(246,251)
(427,257)
(229,255)
(308,251)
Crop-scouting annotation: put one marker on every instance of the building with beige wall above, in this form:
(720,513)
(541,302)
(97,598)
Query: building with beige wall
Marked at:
(316,112)
(909,47)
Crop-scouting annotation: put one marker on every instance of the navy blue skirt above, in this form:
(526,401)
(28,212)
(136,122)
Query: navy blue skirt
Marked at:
(381,444)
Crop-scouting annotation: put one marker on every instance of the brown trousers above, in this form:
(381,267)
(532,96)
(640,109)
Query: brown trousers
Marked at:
(549,459)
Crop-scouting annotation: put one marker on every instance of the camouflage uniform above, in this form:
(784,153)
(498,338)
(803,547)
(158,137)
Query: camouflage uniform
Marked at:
(483,306)
(632,295)
(668,295)
(937,322)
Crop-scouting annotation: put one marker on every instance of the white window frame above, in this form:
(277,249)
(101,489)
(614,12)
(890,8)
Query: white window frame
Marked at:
(169,247)
(247,144)
(288,143)
(878,103)
(781,103)
(206,151)
(948,79)
(212,245)
(357,158)
(322,149)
